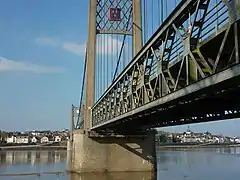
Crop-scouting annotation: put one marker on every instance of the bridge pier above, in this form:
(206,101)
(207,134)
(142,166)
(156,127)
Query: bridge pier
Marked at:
(113,154)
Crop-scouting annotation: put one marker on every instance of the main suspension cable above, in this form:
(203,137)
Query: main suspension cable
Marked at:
(82,90)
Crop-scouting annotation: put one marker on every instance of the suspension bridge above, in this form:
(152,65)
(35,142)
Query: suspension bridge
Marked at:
(148,64)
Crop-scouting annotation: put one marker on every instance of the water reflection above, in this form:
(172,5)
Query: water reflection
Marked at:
(32,157)
(191,164)
(113,176)
(232,150)
(191,156)
(198,164)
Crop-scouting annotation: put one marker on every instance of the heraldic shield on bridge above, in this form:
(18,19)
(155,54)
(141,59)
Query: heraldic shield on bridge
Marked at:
(187,72)
(115,14)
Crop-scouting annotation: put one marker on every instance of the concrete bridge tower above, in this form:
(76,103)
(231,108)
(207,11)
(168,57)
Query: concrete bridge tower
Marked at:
(93,152)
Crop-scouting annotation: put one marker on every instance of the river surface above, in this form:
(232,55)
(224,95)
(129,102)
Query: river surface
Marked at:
(195,164)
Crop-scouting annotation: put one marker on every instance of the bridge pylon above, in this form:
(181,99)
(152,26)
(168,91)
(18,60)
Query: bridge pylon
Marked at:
(94,151)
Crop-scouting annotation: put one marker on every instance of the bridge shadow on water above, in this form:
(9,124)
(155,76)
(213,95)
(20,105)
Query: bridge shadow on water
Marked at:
(114,176)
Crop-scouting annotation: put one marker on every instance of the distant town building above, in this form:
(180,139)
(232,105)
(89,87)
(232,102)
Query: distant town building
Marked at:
(237,140)
(11,139)
(22,139)
(34,139)
(57,139)
(35,133)
(44,139)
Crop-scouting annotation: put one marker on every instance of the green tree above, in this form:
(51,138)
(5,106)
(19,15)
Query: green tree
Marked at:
(163,138)
(2,137)
(176,140)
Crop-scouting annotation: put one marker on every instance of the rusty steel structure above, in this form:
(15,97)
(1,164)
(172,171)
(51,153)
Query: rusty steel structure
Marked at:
(187,72)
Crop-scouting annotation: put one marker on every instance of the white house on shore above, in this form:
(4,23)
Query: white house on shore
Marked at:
(11,139)
(237,140)
(44,139)
(18,139)
(57,139)
(22,139)
(34,139)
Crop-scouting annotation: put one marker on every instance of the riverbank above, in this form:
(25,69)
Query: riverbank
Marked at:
(158,146)
(48,146)
(31,148)
(192,146)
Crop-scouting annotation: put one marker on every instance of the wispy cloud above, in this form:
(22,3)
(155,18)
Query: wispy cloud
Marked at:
(47,41)
(107,45)
(78,49)
(11,65)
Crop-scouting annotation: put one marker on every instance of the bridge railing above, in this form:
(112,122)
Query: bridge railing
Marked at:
(159,69)
(216,18)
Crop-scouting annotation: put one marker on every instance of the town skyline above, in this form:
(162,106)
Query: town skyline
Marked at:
(45,136)
(197,127)
(33,136)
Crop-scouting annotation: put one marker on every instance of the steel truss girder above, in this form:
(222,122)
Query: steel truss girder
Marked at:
(152,74)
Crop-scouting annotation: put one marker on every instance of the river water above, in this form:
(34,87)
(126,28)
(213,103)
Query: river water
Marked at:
(195,164)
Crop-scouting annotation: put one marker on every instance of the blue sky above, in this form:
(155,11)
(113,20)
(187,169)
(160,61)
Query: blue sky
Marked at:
(42,46)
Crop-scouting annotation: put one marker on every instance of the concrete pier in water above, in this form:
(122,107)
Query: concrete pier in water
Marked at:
(131,154)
